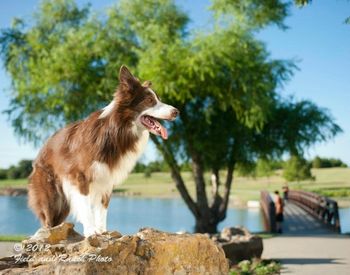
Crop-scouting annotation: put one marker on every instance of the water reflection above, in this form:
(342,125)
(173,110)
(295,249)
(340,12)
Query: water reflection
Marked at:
(127,215)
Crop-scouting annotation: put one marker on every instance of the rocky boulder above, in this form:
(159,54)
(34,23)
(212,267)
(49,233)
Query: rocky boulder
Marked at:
(238,244)
(61,250)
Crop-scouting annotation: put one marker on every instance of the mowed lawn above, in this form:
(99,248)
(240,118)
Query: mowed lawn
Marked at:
(333,182)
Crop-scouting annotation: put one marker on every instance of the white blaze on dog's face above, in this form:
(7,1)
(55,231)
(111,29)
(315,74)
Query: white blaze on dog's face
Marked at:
(145,103)
(158,110)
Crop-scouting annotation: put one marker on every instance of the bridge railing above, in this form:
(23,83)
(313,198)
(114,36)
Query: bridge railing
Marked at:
(269,212)
(322,208)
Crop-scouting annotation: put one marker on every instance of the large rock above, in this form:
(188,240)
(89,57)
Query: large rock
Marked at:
(238,244)
(61,250)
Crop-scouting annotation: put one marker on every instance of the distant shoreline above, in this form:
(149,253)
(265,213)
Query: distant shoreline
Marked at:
(234,203)
(23,191)
(331,182)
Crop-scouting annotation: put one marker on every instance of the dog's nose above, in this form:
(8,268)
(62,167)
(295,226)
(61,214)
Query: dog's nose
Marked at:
(175,112)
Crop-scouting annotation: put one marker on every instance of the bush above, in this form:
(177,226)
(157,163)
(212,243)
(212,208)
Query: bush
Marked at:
(13,173)
(148,172)
(297,169)
(3,174)
(24,168)
(256,267)
(318,162)
(264,168)
(20,171)
(139,168)
(153,166)
(246,169)
(333,192)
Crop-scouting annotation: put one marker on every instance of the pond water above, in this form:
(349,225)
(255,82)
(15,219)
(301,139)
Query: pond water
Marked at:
(344,214)
(127,215)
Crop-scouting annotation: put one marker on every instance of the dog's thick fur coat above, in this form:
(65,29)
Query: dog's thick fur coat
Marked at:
(78,166)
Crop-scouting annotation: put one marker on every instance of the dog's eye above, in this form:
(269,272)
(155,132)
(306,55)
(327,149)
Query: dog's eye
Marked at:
(149,100)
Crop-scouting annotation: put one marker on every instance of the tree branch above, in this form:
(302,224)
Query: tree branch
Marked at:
(198,172)
(176,175)
(226,197)
(228,183)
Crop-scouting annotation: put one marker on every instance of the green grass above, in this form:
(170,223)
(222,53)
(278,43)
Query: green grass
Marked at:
(12,238)
(256,267)
(13,183)
(333,182)
(338,192)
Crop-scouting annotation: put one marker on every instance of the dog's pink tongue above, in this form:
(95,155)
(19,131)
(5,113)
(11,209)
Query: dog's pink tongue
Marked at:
(163,132)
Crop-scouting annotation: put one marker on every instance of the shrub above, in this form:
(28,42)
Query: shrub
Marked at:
(297,169)
(318,162)
(256,267)
(13,173)
(3,174)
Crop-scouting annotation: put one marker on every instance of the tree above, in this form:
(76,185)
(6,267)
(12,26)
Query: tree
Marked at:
(318,162)
(222,80)
(24,168)
(297,169)
(19,171)
(3,174)
(264,168)
(13,173)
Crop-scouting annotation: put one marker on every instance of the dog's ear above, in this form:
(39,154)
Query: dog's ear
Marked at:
(126,78)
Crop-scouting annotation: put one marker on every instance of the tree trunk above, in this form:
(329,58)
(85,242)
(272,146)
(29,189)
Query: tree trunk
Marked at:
(204,225)
(176,176)
(207,218)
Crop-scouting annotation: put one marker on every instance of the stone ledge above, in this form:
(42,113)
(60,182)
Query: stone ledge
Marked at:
(61,250)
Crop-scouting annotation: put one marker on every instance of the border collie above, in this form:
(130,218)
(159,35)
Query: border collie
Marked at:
(78,166)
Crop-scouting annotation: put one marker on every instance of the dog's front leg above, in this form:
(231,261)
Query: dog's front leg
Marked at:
(100,213)
(82,209)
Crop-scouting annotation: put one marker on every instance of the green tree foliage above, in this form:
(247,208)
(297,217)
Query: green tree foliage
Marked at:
(3,174)
(153,166)
(264,168)
(297,169)
(19,171)
(139,167)
(222,80)
(318,162)
(13,173)
(25,168)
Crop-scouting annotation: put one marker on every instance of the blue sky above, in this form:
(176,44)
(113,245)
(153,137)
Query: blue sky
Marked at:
(316,37)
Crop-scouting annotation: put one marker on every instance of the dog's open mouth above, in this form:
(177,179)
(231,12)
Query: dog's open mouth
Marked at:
(154,126)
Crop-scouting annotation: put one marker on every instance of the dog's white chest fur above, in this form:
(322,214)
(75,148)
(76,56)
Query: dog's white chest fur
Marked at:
(88,209)
(103,175)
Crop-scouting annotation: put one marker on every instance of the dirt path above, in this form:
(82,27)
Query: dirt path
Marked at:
(310,255)
(6,249)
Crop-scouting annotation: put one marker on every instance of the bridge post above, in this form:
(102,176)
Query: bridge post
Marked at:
(269,211)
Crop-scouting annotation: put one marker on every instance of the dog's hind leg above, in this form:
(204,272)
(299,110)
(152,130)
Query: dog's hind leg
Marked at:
(45,199)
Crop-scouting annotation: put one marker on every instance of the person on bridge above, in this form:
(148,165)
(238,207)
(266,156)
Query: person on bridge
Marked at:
(285,189)
(279,211)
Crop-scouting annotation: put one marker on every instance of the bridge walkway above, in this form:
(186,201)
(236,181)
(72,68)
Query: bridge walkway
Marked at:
(298,222)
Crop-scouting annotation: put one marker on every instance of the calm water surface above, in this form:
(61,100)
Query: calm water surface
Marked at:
(127,215)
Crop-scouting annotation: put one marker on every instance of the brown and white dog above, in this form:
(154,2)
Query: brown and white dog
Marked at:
(78,166)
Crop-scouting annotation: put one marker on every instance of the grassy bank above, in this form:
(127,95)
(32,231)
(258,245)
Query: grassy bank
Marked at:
(12,238)
(332,182)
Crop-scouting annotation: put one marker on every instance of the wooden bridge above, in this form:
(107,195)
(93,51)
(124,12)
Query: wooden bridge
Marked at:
(310,243)
(305,213)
